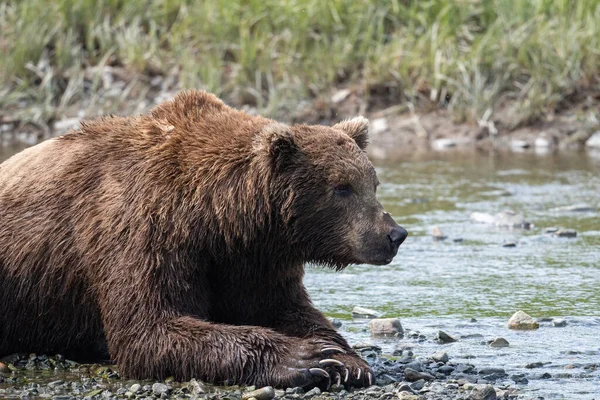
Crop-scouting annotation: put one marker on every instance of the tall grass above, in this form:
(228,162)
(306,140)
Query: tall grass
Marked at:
(468,55)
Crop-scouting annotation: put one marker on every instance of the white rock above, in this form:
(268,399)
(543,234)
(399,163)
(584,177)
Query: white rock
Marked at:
(340,96)
(542,142)
(594,141)
(378,125)
(361,312)
(519,144)
(65,125)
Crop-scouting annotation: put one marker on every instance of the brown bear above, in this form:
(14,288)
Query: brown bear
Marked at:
(174,243)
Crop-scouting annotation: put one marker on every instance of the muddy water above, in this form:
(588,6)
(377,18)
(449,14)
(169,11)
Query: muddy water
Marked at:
(433,285)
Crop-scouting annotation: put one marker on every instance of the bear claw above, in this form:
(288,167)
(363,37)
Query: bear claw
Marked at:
(346,375)
(329,362)
(331,350)
(370,378)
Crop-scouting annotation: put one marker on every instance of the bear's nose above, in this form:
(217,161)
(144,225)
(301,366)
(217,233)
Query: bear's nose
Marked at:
(397,235)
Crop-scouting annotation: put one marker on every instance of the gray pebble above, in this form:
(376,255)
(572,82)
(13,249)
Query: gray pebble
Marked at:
(492,370)
(566,233)
(440,356)
(412,376)
(483,392)
(136,387)
(313,392)
(159,388)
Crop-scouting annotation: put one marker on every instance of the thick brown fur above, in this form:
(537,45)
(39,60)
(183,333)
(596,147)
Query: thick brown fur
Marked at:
(174,243)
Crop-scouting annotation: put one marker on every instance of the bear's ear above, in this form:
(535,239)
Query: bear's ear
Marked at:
(357,128)
(275,140)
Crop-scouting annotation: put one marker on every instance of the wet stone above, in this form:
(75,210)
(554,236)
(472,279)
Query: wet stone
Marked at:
(444,337)
(265,393)
(135,388)
(416,365)
(440,356)
(499,342)
(412,376)
(313,392)
(519,379)
(483,392)
(559,322)
(159,388)
(566,233)
(294,390)
(336,323)
(522,321)
(492,370)
(509,244)
(404,395)
(386,327)
(361,312)
(446,369)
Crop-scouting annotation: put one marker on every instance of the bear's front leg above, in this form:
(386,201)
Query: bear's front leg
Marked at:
(302,320)
(149,338)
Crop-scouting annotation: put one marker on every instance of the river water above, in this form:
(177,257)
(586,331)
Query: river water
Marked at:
(433,285)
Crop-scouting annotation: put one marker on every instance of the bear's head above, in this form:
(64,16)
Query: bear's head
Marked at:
(324,191)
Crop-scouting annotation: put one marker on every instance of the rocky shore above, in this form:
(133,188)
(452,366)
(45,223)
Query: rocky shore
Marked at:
(400,375)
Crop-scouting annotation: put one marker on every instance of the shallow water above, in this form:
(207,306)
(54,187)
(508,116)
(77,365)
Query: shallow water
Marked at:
(434,285)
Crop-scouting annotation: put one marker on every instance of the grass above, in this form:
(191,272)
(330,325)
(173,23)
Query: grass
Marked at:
(471,56)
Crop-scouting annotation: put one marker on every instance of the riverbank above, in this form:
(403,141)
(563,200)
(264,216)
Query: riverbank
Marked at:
(485,74)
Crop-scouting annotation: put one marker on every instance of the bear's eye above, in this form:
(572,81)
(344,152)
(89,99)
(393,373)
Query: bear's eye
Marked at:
(343,190)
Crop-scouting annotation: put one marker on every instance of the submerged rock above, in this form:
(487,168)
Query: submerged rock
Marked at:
(437,234)
(386,327)
(559,322)
(499,342)
(522,321)
(567,233)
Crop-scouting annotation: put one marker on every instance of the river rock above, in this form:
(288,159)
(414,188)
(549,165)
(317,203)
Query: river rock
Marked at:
(509,244)
(412,376)
(405,395)
(444,337)
(543,143)
(523,322)
(4,368)
(361,312)
(136,387)
(440,356)
(386,327)
(566,233)
(505,219)
(559,322)
(483,392)
(335,322)
(492,371)
(518,144)
(265,393)
(593,141)
(437,234)
(499,342)
(159,388)
(378,125)
(340,96)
